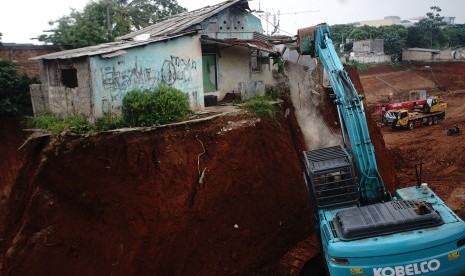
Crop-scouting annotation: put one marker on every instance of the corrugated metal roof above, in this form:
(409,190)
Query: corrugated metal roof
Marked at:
(180,22)
(255,44)
(104,48)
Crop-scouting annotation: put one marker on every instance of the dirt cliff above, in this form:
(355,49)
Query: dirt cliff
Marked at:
(131,203)
(11,138)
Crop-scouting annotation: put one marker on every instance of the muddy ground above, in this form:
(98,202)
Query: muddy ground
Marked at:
(136,203)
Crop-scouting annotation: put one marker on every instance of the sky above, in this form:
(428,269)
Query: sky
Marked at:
(21,20)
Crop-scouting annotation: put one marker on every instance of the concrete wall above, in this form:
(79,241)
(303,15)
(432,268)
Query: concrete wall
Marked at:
(232,23)
(426,55)
(459,54)
(177,62)
(370,58)
(369,46)
(20,54)
(235,74)
(58,98)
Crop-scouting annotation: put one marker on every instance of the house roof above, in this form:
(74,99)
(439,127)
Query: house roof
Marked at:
(168,28)
(254,44)
(424,50)
(106,48)
(182,21)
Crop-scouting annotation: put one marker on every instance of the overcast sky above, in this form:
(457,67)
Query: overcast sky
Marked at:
(21,20)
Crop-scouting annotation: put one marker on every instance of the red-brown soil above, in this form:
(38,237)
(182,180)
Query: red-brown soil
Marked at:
(444,156)
(11,138)
(131,204)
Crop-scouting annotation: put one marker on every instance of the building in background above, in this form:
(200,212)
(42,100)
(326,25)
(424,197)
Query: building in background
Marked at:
(20,54)
(387,21)
(369,51)
(428,55)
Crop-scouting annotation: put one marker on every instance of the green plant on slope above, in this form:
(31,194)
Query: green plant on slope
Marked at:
(51,122)
(260,106)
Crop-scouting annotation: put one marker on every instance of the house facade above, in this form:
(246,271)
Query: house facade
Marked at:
(210,51)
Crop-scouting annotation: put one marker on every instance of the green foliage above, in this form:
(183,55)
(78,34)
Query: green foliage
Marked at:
(171,105)
(161,105)
(109,121)
(455,35)
(279,61)
(139,108)
(14,89)
(340,33)
(273,92)
(260,106)
(395,39)
(93,26)
(51,122)
(428,33)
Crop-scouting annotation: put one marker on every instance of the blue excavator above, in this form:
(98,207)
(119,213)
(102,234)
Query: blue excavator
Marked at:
(364,229)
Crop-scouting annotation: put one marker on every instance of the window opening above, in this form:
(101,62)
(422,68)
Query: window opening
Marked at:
(69,78)
(255,60)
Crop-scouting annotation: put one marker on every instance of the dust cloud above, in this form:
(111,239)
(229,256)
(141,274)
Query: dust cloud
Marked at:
(306,96)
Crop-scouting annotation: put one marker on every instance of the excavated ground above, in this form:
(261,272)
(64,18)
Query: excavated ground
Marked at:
(444,156)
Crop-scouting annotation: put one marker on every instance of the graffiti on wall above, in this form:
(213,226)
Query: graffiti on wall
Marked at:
(173,71)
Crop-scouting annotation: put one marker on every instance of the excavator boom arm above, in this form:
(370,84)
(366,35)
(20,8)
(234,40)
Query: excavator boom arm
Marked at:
(351,111)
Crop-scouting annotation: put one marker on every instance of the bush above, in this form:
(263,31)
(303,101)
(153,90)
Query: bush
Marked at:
(161,105)
(139,108)
(260,106)
(51,122)
(14,90)
(171,105)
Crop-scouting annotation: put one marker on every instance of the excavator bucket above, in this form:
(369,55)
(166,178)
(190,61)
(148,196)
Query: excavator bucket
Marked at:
(306,40)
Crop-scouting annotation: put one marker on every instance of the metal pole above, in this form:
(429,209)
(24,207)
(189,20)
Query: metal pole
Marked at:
(108,19)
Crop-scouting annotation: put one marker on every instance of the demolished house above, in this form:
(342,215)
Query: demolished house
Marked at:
(369,51)
(205,53)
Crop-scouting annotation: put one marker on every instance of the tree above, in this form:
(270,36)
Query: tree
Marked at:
(103,20)
(340,33)
(431,27)
(1,39)
(395,38)
(455,35)
(364,32)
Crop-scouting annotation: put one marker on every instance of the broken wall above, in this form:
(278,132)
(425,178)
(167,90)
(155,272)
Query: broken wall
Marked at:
(369,46)
(65,89)
(176,62)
